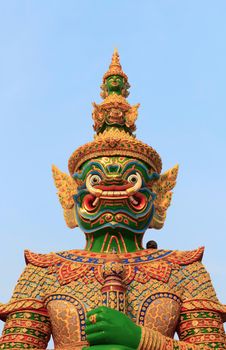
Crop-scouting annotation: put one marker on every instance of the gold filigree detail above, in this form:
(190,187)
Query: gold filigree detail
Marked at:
(115,142)
(65,323)
(67,188)
(131,117)
(115,100)
(151,339)
(163,190)
(115,110)
(191,284)
(203,304)
(162,316)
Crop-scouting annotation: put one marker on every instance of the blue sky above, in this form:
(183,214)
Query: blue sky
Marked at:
(53,57)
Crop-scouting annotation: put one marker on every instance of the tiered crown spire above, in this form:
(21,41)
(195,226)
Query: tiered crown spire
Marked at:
(115,110)
(115,67)
(114,124)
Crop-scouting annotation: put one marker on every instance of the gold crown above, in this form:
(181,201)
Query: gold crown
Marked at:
(114,142)
(114,123)
(115,67)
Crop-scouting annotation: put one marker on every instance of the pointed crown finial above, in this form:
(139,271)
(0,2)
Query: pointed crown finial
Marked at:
(115,67)
(115,60)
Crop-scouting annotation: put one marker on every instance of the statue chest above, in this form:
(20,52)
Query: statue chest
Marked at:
(149,303)
(155,306)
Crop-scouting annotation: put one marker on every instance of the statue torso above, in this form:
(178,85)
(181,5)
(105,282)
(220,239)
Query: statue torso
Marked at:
(74,279)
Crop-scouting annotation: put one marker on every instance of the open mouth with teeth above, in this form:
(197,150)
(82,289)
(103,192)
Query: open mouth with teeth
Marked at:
(114,193)
(137,201)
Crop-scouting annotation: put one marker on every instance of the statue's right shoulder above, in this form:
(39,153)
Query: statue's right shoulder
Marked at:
(32,284)
(50,259)
(41,260)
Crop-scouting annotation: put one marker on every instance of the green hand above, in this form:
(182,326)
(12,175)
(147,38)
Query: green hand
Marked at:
(112,327)
(107,347)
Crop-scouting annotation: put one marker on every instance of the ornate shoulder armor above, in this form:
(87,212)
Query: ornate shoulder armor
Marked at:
(29,291)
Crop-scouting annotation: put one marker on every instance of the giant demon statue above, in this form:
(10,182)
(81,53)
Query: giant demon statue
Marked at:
(114,294)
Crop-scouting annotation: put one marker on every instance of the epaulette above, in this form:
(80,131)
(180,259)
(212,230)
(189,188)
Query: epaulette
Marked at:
(41,260)
(28,293)
(21,305)
(205,304)
(67,265)
(186,257)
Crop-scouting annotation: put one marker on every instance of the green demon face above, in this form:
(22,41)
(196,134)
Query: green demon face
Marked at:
(114,192)
(115,83)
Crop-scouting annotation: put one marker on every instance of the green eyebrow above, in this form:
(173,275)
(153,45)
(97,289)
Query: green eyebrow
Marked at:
(143,169)
(86,169)
(116,168)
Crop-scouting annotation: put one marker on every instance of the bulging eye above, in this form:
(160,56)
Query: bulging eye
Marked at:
(95,180)
(133,178)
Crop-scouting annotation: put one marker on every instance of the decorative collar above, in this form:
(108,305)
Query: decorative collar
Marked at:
(140,266)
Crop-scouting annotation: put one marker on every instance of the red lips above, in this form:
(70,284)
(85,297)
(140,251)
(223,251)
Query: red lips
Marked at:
(88,202)
(141,201)
(138,201)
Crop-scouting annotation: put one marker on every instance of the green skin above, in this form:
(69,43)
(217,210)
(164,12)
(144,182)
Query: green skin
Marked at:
(96,242)
(94,219)
(113,330)
(108,347)
(115,84)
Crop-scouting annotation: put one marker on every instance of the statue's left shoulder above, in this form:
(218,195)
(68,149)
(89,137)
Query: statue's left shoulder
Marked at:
(195,281)
(185,257)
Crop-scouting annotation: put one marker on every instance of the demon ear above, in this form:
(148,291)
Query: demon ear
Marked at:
(66,189)
(163,190)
